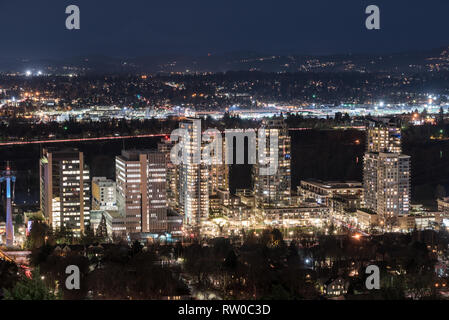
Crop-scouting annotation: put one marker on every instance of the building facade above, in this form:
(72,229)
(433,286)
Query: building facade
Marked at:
(384,138)
(103,194)
(193,177)
(323,191)
(275,189)
(141,190)
(386,174)
(165,146)
(65,189)
(156,221)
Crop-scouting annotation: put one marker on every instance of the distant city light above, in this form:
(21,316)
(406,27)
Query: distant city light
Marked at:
(357,236)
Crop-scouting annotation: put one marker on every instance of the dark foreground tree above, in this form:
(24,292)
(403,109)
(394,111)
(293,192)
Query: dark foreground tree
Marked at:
(31,289)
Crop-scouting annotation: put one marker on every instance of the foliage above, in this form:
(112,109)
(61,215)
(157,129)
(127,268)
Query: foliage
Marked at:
(30,289)
(38,234)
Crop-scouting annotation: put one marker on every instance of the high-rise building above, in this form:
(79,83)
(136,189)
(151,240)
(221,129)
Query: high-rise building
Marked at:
(157,193)
(219,175)
(384,138)
(387,183)
(386,173)
(65,189)
(130,170)
(193,177)
(141,190)
(172,171)
(103,194)
(273,190)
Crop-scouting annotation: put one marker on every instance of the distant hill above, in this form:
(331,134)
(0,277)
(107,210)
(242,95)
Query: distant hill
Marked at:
(405,62)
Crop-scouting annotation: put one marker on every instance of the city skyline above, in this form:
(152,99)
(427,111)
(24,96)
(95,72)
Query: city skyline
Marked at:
(240,151)
(161,203)
(147,186)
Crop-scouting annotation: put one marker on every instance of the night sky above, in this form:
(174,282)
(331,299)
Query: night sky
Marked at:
(129,28)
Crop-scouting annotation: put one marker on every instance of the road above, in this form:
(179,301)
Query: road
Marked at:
(18,258)
(5,257)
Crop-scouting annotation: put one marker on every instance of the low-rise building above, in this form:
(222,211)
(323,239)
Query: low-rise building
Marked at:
(103,194)
(366,218)
(334,287)
(305,214)
(215,205)
(112,220)
(246,197)
(323,191)
(406,222)
(341,204)
(443,204)
(240,214)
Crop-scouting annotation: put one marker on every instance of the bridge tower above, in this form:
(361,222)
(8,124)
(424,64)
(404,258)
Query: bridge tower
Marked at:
(7,177)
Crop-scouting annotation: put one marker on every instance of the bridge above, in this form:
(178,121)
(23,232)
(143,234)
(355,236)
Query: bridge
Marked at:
(20,258)
(5,257)
(9,179)
(14,143)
